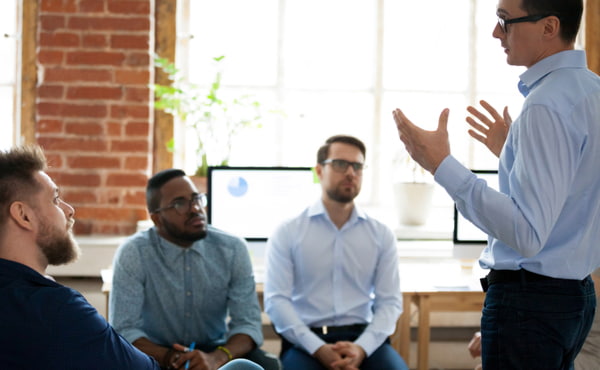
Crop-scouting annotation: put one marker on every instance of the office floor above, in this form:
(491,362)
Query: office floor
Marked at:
(450,334)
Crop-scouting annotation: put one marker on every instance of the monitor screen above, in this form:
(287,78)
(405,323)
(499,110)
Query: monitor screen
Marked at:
(466,232)
(252,201)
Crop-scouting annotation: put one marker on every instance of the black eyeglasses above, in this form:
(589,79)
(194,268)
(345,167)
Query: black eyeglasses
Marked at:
(182,206)
(341,165)
(529,18)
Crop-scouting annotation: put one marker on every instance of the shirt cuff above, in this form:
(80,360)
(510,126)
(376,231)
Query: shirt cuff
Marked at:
(452,175)
(310,341)
(368,342)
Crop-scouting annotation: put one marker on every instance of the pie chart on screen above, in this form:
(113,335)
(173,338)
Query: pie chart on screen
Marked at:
(237,186)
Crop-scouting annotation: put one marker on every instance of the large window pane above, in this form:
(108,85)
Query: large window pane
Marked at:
(426,45)
(8,72)
(245,32)
(330,44)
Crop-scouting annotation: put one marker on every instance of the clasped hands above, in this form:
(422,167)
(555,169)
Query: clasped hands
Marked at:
(198,360)
(342,355)
(429,148)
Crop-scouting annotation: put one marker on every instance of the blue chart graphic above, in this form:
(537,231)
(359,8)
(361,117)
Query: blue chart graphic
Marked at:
(237,186)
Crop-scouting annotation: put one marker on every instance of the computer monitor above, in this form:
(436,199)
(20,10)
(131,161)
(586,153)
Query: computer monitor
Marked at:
(252,201)
(468,239)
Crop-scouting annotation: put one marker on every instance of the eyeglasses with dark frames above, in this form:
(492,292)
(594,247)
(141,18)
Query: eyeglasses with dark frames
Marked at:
(182,206)
(341,165)
(529,18)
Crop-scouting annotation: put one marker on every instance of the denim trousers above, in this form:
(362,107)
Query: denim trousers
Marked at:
(384,357)
(536,325)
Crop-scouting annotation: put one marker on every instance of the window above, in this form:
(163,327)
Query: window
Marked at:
(8,73)
(342,66)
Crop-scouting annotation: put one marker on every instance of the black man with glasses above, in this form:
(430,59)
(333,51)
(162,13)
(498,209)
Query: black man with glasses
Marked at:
(332,286)
(543,224)
(183,281)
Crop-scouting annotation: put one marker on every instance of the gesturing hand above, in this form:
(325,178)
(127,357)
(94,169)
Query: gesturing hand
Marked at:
(427,148)
(491,132)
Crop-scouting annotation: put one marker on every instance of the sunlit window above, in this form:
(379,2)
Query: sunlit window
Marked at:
(342,66)
(8,72)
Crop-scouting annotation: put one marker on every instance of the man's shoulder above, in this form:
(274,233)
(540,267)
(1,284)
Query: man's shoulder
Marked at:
(218,236)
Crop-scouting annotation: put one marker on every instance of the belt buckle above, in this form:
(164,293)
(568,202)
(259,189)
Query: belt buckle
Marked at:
(324,329)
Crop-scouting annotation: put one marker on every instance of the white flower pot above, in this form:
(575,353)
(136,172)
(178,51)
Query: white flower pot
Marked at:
(413,202)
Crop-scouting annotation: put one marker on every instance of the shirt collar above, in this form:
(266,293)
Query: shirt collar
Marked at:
(535,73)
(170,250)
(318,208)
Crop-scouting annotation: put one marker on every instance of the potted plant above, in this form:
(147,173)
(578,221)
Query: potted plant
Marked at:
(214,119)
(413,190)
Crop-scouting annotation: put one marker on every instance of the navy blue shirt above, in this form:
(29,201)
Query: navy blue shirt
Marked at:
(45,325)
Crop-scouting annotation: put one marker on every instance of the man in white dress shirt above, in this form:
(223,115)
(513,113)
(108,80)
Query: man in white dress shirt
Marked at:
(332,286)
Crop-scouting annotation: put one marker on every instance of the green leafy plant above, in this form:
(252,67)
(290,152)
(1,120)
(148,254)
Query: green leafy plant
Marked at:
(214,119)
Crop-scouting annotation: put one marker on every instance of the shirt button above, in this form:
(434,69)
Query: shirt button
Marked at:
(187,314)
(188,293)
(187,268)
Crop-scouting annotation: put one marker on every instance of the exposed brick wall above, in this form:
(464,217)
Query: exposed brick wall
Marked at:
(93,107)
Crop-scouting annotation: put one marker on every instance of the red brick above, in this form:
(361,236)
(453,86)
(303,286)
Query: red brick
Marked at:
(138,60)
(51,22)
(50,91)
(135,146)
(129,111)
(49,57)
(58,6)
(79,196)
(71,110)
(129,180)
(84,128)
(91,6)
(129,7)
(129,77)
(77,74)
(73,144)
(50,126)
(95,58)
(137,198)
(110,196)
(94,41)
(137,129)
(114,129)
(110,23)
(129,42)
(58,39)
(65,180)
(107,213)
(94,93)
(93,162)
(53,160)
(136,163)
(137,94)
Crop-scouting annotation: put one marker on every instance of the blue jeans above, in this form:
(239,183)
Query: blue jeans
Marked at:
(536,325)
(384,357)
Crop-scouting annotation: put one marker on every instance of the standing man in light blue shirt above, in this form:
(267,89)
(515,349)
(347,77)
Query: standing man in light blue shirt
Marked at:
(544,224)
(332,285)
(184,281)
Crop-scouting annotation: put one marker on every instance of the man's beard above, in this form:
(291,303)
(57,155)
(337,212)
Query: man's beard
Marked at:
(341,197)
(175,233)
(58,246)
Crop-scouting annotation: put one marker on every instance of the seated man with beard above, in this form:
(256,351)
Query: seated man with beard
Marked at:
(44,325)
(332,285)
(184,281)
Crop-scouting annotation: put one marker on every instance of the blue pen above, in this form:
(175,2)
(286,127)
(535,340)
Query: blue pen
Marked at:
(190,349)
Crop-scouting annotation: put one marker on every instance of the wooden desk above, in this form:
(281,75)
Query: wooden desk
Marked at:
(427,302)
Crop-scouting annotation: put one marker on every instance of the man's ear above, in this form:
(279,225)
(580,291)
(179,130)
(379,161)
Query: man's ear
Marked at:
(21,214)
(155,217)
(551,27)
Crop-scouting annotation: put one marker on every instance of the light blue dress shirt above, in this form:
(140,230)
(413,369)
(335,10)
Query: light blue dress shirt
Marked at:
(171,294)
(546,217)
(317,274)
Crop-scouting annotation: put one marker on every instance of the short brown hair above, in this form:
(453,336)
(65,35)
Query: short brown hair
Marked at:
(17,169)
(350,140)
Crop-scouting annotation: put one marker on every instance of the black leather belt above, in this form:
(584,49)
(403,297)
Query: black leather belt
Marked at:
(511,276)
(339,329)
